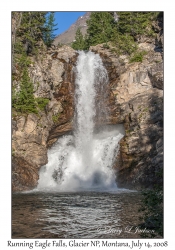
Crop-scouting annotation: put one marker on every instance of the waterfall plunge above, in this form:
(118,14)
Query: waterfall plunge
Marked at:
(84,161)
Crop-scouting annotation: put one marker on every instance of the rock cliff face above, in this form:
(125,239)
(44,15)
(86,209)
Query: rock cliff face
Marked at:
(138,92)
(135,99)
(32,134)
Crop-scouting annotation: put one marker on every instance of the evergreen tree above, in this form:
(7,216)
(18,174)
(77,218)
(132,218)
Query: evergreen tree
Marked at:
(26,37)
(79,43)
(100,28)
(24,101)
(121,28)
(128,28)
(136,23)
(30,30)
(48,32)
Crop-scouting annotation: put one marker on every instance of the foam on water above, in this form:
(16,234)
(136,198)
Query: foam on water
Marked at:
(84,160)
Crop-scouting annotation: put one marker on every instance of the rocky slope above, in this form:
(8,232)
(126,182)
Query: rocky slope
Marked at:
(135,99)
(68,36)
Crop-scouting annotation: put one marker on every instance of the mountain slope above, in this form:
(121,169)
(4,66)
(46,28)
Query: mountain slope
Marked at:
(69,35)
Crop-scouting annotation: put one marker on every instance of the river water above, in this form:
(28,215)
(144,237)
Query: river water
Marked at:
(76,215)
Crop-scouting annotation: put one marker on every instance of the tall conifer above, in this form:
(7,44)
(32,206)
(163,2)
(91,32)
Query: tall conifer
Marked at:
(79,43)
(48,32)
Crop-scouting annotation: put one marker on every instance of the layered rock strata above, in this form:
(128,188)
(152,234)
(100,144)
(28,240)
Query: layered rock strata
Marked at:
(32,134)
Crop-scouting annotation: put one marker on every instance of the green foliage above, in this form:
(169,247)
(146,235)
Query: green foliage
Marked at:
(18,47)
(138,56)
(127,30)
(80,42)
(100,28)
(23,61)
(55,117)
(124,44)
(153,209)
(136,23)
(33,27)
(42,102)
(123,34)
(48,32)
(23,101)
(30,31)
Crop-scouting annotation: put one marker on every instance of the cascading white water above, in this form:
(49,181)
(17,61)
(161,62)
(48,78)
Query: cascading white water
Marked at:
(83,161)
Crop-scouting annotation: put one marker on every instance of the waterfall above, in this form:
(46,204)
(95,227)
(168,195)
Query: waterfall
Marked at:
(84,160)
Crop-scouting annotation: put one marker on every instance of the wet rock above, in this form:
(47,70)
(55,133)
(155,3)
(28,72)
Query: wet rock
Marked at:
(24,175)
(159,144)
(138,94)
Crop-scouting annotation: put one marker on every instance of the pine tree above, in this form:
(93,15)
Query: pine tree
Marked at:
(27,36)
(79,43)
(136,23)
(128,29)
(100,28)
(30,30)
(48,32)
(24,101)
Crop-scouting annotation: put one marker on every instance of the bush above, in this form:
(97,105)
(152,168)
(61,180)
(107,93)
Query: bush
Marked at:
(42,102)
(138,57)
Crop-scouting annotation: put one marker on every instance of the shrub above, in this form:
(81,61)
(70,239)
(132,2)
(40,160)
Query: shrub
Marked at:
(42,102)
(138,57)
